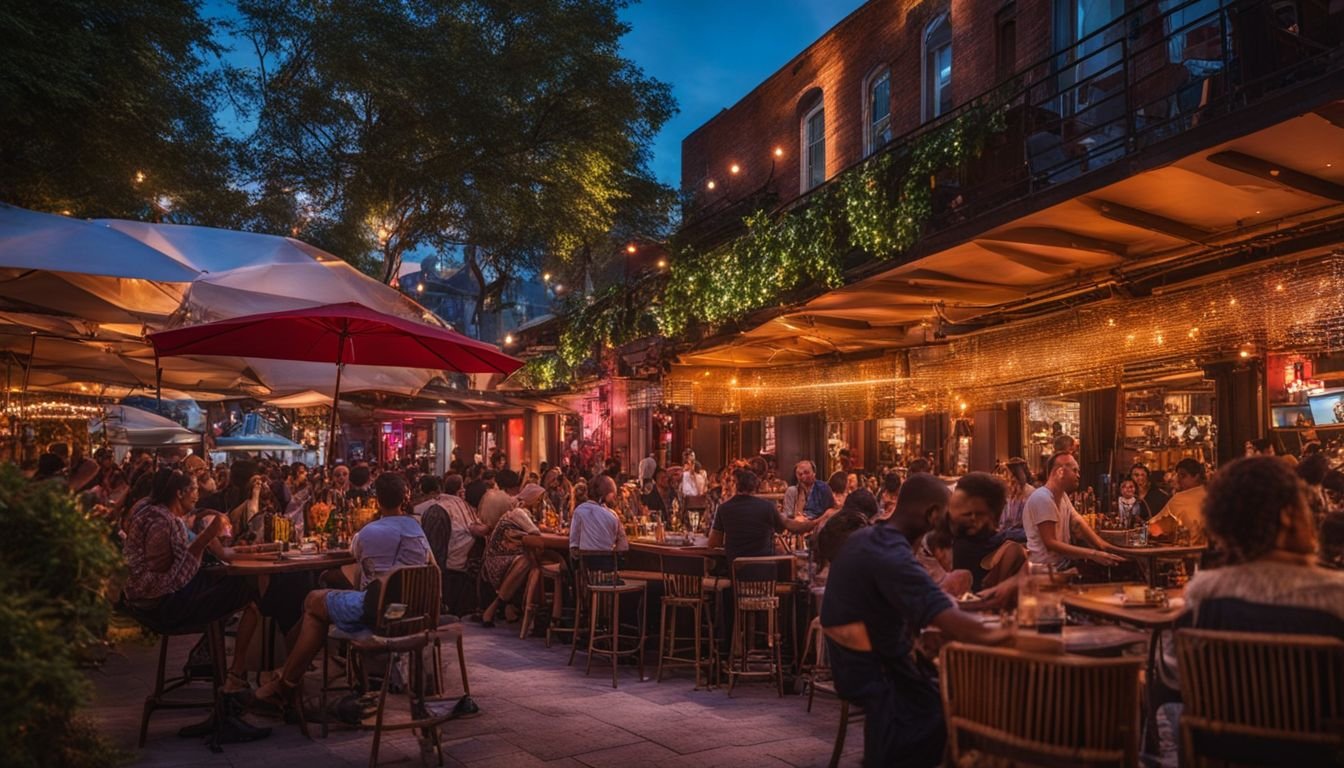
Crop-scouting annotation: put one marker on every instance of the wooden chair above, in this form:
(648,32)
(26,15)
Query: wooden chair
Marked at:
(756,582)
(1042,710)
(1246,691)
(602,588)
(419,589)
(848,714)
(684,589)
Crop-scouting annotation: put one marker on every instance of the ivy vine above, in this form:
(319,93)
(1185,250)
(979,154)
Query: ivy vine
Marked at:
(880,208)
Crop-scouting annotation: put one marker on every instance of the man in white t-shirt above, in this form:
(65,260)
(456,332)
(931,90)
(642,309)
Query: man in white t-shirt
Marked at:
(1049,516)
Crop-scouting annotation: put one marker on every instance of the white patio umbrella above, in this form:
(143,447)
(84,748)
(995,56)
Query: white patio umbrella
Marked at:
(126,425)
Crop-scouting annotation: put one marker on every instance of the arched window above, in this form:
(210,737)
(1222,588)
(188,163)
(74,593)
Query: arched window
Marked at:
(938,67)
(812,133)
(877,110)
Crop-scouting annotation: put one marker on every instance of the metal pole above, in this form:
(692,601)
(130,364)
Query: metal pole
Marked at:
(335,398)
(27,370)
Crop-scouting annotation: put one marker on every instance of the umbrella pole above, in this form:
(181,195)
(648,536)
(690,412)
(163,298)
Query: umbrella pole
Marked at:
(335,398)
(27,370)
(158,384)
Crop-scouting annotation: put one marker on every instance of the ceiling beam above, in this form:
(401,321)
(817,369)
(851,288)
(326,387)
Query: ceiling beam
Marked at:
(1053,237)
(1278,175)
(1150,221)
(1033,261)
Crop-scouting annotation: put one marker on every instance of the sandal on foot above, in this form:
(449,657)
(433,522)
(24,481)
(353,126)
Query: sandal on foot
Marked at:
(236,683)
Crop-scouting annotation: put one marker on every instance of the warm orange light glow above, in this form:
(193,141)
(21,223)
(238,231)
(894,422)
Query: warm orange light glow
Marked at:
(662,263)
(779,151)
(734,169)
(711,184)
(630,248)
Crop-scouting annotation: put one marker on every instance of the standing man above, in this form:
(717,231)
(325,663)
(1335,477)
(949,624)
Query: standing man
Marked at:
(647,466)
(808,498)
(1049,517)
(878,598)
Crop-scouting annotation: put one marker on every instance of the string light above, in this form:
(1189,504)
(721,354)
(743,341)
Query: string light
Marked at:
(710,184)
(1088,349)
(734,169)
(779,152)
(630,248)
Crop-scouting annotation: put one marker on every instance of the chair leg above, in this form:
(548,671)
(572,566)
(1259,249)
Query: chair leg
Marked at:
(695,621)
(643,628)
(840,735)
(662,640)
(777,641)
(615,633)
(592,632)
(578,622)
(152,700)
(739,624)
(462,665)
(382,704)
(322,692)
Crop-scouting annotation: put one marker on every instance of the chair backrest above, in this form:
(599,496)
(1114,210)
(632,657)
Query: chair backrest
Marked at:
(683,576)
(598,567)
(420,589)
(1283,688)
(758,577)
(1045,710)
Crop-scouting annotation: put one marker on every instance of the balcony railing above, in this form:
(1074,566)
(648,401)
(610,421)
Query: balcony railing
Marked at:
(1159,71)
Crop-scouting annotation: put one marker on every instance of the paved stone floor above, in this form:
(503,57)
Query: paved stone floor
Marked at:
(535,711)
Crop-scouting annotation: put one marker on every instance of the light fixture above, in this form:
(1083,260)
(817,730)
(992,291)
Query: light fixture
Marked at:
(1245,353)
(779,151)
(1273,171)
(546,277)
(139,176)
(711,184)
(419,287)
(734,169)
(443,402)
(662,263)
(508,338)
(630,248)
(559,288)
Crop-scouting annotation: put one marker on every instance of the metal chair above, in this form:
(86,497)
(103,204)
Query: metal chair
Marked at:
(756,594)
(163,685)
(684,590)
(1052,710)
(1246,691)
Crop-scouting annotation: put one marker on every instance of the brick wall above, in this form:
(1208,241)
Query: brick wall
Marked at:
(882,33)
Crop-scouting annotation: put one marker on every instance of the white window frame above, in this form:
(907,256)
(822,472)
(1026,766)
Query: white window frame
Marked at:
(804,155)
(870,109)
(929,95)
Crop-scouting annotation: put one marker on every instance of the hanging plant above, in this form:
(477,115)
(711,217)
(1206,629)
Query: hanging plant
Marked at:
(880,208)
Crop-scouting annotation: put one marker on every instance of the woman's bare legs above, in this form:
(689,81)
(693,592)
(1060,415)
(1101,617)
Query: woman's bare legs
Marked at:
(513,579)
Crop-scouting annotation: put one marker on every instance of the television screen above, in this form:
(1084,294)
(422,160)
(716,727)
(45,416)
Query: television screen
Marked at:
(1327,408)
(1290,416)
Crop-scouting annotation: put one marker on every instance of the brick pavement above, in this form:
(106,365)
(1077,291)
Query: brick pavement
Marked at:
(536,711)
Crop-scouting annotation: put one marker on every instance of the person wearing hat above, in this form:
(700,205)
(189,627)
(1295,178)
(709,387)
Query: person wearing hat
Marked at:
(504,565)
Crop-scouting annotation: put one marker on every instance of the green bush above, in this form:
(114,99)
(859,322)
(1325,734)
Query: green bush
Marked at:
(55,565)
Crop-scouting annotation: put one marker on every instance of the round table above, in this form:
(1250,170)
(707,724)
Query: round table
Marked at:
(287,562)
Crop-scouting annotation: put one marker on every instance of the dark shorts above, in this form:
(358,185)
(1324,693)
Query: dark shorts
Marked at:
(209,596)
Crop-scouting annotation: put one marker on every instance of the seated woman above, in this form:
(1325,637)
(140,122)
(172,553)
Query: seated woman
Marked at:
(166,589)
(505,566)
(1257,514)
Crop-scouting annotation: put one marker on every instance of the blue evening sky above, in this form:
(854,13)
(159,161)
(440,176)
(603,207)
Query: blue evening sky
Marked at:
(713,52)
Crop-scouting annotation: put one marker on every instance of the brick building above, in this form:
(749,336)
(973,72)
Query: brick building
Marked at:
(884,70)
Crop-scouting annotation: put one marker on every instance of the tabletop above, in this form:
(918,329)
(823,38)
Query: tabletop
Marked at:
(560,542)
(1103,600)
(288,562)
(1164,550)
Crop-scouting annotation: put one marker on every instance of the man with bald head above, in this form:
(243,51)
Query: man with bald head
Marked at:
(809,498)
(878,598)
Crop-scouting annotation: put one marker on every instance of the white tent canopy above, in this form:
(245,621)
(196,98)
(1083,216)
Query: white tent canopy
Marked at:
(91,289)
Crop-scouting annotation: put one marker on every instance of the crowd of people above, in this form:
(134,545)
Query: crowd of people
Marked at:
(896,554)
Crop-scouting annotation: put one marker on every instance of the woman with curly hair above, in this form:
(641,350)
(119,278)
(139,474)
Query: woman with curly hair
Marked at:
(1256,513)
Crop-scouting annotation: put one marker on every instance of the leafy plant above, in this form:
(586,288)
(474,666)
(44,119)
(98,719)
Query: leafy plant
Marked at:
(55,564)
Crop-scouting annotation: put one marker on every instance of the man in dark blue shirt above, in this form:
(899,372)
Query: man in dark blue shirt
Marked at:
(878,598)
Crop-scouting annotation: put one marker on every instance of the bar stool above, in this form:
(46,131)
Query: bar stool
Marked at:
(164,685)
(684,589)
(605,588)
(755,594)
(547,579)
(848,714)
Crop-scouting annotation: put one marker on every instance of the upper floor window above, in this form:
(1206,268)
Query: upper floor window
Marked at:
(938,67)
(1005,43)
(877,106)
(814,146)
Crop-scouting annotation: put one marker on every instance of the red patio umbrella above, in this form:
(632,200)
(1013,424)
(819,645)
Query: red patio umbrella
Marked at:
(339,334)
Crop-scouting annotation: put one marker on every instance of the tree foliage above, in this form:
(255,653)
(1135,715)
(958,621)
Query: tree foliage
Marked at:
(107,108)
(514,126)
